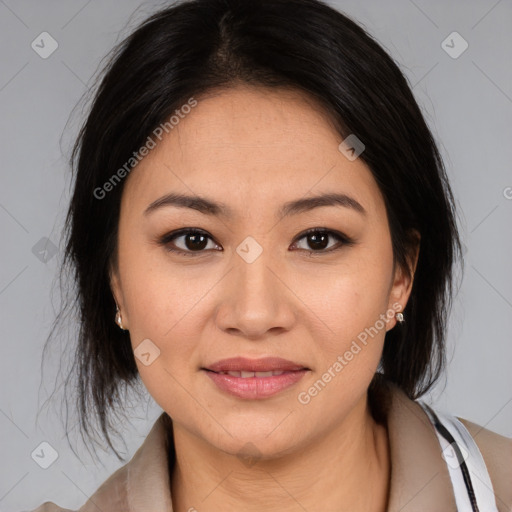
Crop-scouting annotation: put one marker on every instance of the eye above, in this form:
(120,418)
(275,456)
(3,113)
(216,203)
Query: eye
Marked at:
(318,240)
(194,241)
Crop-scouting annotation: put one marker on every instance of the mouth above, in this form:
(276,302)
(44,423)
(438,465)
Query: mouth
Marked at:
(245,366)
(244,374)
(255,379)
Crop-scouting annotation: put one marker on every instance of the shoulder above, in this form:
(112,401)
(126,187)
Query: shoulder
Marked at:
(497,454)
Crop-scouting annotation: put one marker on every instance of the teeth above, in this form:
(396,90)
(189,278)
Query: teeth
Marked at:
(263,374)
(245,375)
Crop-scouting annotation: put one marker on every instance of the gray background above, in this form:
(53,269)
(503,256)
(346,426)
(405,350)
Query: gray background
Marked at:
(467,102)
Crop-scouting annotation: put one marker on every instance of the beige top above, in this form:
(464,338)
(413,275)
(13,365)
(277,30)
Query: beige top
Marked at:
(420,480)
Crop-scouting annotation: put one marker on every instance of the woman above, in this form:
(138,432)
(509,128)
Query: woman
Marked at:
(262,209)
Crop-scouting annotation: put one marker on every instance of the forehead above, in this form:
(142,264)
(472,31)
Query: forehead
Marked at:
(251,145)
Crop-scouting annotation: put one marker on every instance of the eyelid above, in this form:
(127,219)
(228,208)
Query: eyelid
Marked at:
(342,238)
(166,239)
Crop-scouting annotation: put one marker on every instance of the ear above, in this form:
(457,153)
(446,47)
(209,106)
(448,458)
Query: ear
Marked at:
(117,292)
(403,281)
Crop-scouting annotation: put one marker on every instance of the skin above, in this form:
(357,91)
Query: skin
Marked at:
(240,146)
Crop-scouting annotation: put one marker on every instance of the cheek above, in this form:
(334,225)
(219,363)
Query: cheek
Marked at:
(164,308)
(349,299)
(158,293)
(157,301)
(350,336)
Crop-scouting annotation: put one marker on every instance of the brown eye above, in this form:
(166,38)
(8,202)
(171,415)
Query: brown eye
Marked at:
(195,242)
(317,240)
(186,241)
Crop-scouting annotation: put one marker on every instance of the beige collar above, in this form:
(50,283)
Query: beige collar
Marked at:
(420,480)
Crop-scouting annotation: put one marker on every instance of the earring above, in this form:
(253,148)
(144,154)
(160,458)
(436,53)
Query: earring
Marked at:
(400,318)
(118,318)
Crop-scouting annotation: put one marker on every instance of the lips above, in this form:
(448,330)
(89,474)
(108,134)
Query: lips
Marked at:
(255,379)
(246,368)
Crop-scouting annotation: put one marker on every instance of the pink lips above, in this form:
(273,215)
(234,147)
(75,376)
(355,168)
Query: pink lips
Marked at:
(255,378)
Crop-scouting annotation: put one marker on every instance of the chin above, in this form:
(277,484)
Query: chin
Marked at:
(255,440)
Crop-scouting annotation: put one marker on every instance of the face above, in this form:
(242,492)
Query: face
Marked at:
(198,285)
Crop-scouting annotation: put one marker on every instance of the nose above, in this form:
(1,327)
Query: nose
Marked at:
(257,299)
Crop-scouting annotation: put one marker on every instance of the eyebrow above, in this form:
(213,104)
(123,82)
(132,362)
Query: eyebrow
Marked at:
(209,207)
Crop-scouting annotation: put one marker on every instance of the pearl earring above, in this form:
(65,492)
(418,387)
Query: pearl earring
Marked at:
(119,321)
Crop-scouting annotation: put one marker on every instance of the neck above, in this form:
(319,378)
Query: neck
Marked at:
(345,469)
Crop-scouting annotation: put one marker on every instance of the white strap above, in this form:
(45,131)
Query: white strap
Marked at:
(479,476)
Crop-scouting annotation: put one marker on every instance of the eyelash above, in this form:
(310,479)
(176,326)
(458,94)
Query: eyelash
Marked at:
(166,240)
